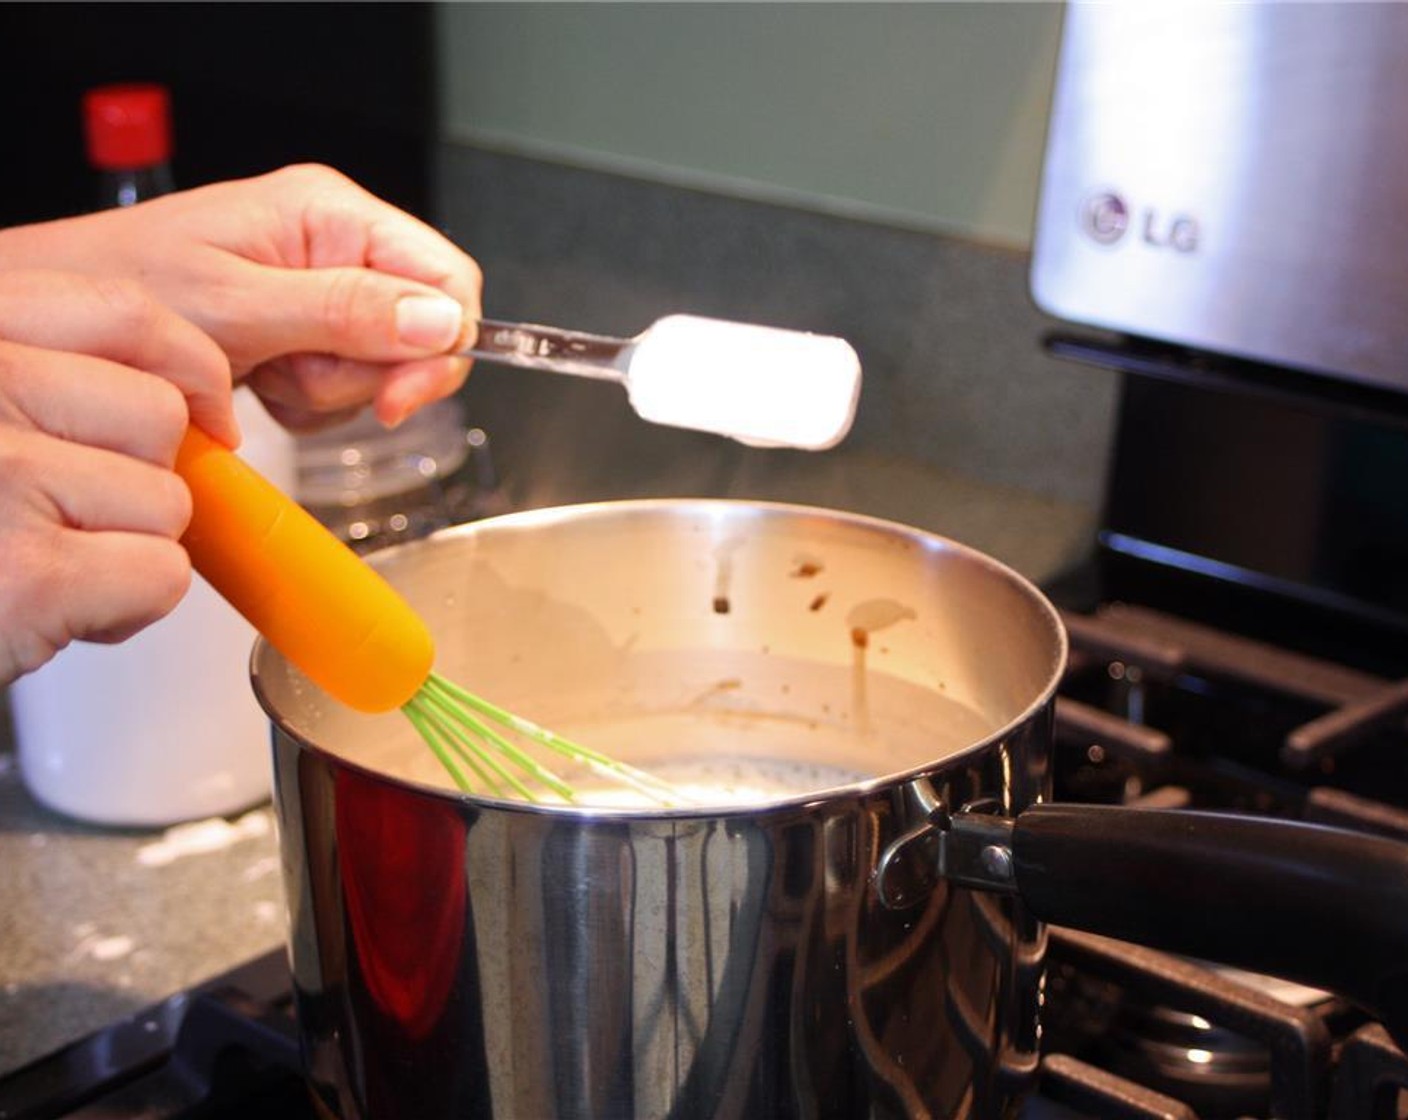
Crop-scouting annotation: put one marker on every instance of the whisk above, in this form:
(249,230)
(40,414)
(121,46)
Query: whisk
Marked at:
(334,616)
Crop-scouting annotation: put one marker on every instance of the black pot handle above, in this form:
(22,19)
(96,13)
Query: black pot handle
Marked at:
(1322,906)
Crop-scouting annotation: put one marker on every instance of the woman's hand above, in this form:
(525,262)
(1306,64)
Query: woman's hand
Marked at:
(98,381)
(323,297)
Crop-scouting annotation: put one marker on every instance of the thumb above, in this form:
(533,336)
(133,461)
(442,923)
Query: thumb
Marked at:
(353,313)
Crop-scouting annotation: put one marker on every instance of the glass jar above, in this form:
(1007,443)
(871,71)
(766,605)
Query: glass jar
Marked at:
(374,486)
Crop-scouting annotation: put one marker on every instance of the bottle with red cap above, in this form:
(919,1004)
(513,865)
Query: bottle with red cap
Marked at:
(164,727)
(128,132)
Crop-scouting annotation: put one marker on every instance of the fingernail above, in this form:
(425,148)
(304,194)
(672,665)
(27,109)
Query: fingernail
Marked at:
(392,414)
(429,322)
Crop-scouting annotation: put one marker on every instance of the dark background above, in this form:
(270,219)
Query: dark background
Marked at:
(254,87)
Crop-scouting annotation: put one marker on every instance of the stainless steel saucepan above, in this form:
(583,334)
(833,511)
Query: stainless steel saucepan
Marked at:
(849,922)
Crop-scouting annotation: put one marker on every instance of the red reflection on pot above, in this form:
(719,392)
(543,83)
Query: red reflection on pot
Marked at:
(402,862)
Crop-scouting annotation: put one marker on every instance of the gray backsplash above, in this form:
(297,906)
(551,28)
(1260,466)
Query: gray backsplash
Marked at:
(955,377)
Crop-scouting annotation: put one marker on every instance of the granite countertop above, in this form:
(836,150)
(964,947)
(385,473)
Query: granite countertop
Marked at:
(96,923)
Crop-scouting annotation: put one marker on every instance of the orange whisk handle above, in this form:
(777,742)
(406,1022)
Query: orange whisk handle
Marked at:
(311,596)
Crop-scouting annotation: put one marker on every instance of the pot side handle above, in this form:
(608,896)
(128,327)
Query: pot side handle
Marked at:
(1322,906)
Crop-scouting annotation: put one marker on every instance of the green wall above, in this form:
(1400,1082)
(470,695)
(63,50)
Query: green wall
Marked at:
(928,115)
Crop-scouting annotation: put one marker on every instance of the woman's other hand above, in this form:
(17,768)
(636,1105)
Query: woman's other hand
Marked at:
(98,381)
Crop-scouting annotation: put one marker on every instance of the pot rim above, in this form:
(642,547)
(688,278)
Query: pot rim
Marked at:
(552,514)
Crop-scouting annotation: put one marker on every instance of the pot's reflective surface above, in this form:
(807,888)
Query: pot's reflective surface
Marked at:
(456,957)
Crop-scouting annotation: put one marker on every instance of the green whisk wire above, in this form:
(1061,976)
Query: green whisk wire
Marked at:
(446,739)
(448,718)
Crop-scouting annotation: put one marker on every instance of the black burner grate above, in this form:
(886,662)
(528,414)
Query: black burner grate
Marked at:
(1159,711)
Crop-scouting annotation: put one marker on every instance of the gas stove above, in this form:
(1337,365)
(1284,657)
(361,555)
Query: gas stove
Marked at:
(1215,666)
(1155,711)
(1158,711)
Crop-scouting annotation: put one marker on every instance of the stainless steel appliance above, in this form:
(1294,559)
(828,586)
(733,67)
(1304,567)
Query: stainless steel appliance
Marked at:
(1225,187)
(1233,177)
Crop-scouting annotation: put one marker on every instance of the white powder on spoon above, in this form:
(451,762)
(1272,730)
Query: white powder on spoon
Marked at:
(760,385)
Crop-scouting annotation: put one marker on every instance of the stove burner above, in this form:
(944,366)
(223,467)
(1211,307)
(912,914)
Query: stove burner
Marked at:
(1190,1031)
(1221,1072)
